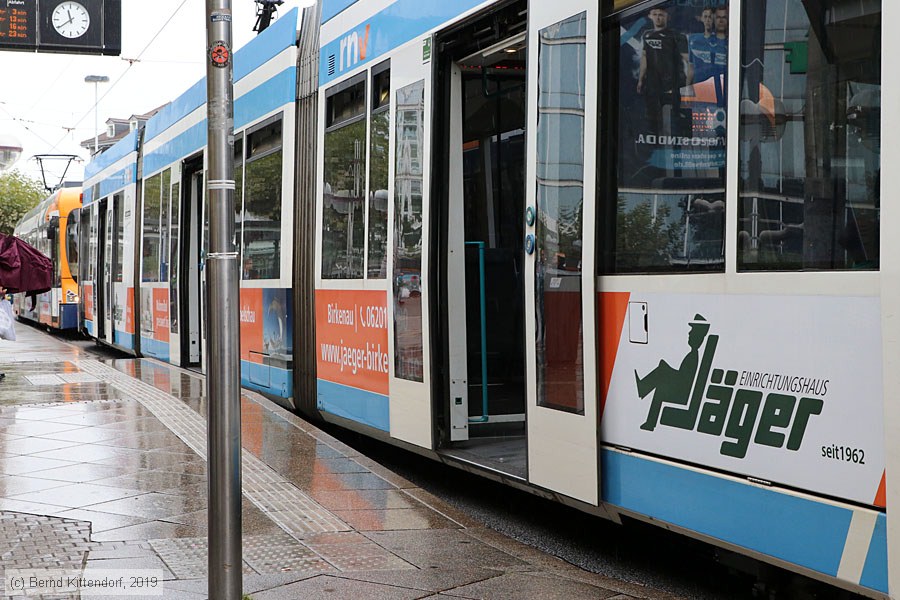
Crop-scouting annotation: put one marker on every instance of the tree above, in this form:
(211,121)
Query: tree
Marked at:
(18,195)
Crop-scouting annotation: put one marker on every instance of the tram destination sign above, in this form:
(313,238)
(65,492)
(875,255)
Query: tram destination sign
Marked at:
(63,26)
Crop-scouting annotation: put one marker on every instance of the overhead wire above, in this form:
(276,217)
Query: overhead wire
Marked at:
(131,63)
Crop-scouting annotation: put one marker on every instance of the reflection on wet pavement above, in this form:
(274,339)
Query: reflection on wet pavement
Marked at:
(112,453)
(100,452)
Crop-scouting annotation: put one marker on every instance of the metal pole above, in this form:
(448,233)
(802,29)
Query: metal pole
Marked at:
(96,119)
(223,364)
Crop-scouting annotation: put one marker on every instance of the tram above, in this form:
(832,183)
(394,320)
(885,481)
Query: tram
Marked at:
(145,207)
(625,254)
(53,228)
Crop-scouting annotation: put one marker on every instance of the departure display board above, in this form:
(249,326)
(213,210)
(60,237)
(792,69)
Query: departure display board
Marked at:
(17,23)
(66,26)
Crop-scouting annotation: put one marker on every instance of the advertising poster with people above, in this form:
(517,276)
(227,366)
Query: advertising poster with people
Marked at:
(673,66)
(669,70)
(266,321)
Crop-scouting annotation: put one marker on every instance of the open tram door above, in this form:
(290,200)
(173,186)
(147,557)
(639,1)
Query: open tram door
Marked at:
(103,295)
(480,103)
(562,404)
(408,289)
(189,281)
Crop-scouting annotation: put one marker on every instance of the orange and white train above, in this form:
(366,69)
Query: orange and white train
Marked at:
(52,227)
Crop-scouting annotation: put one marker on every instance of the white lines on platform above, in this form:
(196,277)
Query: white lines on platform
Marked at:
(61,379)
(291,509)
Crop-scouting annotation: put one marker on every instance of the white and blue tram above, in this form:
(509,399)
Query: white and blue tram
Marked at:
(623,254)
(145,206)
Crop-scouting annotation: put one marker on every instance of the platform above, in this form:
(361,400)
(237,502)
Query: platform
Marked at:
(102,467)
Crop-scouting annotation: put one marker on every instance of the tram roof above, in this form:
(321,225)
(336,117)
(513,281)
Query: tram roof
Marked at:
(268,44)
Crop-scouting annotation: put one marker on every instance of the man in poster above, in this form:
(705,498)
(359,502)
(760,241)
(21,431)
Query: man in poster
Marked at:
(709,50)
(665,68)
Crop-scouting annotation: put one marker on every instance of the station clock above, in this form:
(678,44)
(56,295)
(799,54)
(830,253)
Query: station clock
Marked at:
(70,23)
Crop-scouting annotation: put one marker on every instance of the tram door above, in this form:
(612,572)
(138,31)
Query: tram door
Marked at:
(410,381)
(103,288)
(559,244)
(101,275)
(190,284)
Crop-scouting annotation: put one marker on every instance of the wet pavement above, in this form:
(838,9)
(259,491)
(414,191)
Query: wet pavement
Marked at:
(103,470)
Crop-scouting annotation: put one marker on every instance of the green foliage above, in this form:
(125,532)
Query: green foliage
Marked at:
(641,239)
(18,195)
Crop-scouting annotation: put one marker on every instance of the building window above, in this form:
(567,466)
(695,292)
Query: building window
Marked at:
(810,154)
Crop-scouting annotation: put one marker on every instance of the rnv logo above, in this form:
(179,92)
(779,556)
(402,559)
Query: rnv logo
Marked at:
(354,48)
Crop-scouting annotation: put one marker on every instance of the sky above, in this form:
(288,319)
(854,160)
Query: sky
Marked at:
(47,106)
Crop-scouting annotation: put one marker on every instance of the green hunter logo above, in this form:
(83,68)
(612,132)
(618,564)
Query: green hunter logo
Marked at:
(691,398)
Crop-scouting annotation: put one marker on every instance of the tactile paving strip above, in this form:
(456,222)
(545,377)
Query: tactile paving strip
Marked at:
(42,542)
(291,509)
(187,558)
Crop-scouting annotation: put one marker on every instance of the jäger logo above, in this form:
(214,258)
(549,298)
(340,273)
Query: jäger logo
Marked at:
(697,397)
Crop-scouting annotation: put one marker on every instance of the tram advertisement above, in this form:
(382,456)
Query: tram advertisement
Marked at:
(352,338)
(672,86)
(266,321)
(775,388)
(88,298)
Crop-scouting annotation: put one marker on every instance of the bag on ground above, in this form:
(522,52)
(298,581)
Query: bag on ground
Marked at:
(7,330)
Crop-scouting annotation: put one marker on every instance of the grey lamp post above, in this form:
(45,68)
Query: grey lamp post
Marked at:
(96,80)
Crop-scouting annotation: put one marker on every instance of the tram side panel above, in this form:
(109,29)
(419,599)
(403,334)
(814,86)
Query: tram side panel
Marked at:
(108,226)
(749,419)
(739,404)
(173,221)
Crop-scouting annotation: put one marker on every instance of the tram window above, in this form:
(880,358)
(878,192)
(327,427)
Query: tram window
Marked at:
(560,205)
(346,102)
(810,135)
(175,253)
(408,221)
(119,211)
(72,226)
(666,106)
(343,223)
(238,191)
(92,244)
(261,245)
(380,131)
(52,239)
(150,241)
(164,225)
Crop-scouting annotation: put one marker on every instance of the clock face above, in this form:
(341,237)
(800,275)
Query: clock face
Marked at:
(70,19)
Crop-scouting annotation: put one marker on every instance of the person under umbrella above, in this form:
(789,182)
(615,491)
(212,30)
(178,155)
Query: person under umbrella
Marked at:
(23,268)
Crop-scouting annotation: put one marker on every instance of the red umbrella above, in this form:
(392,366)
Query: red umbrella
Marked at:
(23,268)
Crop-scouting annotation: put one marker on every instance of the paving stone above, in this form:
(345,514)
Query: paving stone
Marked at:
(129,445)
(324,586)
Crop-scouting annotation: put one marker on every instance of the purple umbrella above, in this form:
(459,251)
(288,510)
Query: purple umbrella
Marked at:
(23,268)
